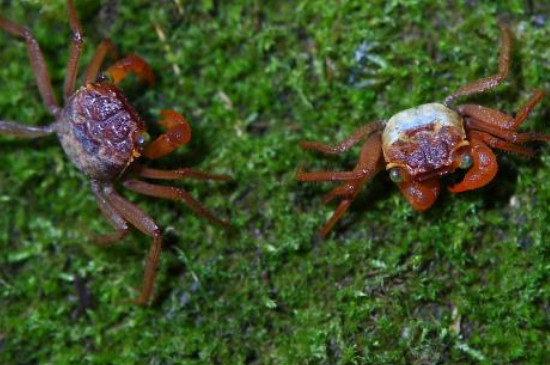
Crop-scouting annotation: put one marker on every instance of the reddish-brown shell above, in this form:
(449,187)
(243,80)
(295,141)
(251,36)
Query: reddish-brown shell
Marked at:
(100,131)
(423,140)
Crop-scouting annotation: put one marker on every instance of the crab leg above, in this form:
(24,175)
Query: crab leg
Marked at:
(484,169)
(173,193)
(92,70)
(135,216)
(177,174)
(342,191)
(178,134)
(330,175)
(500,124)
(27,131)
(131,63)
(368,165)
(112,216)
(346,144)
(497,119)
(490,82)
(335,217)
(526,109)
(510,136)
(38,63)
(495,142)
(74,53)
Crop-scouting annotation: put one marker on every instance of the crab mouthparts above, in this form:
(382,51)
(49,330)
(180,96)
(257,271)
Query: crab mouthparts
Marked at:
(442,171)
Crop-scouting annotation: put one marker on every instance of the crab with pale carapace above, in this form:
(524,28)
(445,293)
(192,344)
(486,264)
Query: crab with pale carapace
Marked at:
(418,146)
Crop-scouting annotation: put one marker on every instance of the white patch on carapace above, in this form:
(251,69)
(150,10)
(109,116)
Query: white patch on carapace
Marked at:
(414,118)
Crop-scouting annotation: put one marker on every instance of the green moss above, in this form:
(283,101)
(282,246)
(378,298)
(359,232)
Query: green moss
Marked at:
(466,282)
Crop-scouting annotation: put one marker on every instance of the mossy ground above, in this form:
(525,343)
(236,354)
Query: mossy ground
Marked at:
(466,282)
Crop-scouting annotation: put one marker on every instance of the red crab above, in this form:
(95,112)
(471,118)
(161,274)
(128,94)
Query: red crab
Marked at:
(420,145)
(104,137)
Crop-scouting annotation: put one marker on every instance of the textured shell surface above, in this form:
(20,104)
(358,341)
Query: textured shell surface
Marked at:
(99,131)
(424,140)
(418,117)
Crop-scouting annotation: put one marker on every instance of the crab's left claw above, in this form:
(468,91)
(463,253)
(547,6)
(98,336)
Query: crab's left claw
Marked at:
(421,195)
(178,134)
(484,169)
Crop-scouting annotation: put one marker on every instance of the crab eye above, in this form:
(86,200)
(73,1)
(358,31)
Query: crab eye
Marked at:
(395,175)
(104,77)
(466,161)
(143,139)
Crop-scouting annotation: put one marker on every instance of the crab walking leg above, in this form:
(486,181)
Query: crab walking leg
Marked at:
(502,125)
(369,162)
(346,144)
(526,109)
(495,142)
(366,167)
(348,192)
(106,46)
(490,82)
(145,224)
(343,191)
(510,136)
(173,193)
(329,175)
(495,120)
(25,131)
(335,217)
(131,63)
(178,174)
(484,169)
(357,173)
(38,63)
(178,134)
(75,51)
(112,216)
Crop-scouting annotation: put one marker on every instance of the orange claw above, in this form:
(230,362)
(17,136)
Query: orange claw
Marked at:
(178,134)
(482,172)
(131,63)
(421,195)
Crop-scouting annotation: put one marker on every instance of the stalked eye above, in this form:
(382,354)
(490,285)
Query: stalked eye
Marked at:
(395,175)
(466,161)
(143,139)
(104,77)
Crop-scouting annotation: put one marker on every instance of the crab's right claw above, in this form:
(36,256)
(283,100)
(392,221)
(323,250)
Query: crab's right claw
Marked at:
(421,195)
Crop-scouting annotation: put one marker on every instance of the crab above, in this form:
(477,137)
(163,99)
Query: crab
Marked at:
(420,145)
(104,137)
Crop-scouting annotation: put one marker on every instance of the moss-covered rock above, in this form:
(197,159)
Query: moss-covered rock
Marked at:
(466,282)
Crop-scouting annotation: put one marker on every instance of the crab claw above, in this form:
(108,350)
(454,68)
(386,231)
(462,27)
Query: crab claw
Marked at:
(484,169)
(131,63)
(421,195)
(178,134)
